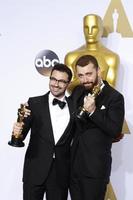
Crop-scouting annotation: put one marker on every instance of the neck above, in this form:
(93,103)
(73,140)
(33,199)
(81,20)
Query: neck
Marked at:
(60,97)
(93,46)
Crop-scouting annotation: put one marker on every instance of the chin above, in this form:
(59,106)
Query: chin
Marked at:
(54,93)
(87,87)
(91,40)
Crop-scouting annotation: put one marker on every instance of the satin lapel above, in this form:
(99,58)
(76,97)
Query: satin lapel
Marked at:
(103,95)
(47,120)
(70,106)
(69,126)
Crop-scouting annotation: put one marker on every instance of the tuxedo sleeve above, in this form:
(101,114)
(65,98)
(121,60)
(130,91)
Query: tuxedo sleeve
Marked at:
(27,121)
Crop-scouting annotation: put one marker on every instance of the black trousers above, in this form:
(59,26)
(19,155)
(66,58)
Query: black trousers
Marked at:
(87,189)
(50,187)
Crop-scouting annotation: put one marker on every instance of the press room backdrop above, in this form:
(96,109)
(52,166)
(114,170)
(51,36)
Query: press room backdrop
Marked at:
(26,28)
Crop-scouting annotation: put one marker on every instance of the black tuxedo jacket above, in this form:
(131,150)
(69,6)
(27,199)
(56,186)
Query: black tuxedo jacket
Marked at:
(39,154)
(91,149)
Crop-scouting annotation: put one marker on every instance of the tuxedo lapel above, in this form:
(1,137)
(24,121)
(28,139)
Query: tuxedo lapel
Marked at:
(70,106)
(103,96)
(47,119)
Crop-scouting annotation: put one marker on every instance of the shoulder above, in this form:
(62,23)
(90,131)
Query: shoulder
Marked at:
(77,91)
(37,99)
(112,91)
(71,57)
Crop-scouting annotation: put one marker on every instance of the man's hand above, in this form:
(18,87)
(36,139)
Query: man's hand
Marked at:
(18,126)
(27,112)
(17,129)
(121,135)
(89,104)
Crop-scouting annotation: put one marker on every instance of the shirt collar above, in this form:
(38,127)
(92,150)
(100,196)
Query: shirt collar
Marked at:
(51,97)
(102,84)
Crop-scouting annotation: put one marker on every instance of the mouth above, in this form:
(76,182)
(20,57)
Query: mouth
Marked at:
(89,84)
(55,89)
(90,36)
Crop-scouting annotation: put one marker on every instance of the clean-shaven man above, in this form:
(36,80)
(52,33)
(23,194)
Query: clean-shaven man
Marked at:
(47,159)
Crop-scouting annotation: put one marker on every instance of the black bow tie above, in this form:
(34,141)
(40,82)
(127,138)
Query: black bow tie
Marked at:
(60,103)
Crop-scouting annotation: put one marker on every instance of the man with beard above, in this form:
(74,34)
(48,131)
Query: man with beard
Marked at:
(47,160)
(99,119)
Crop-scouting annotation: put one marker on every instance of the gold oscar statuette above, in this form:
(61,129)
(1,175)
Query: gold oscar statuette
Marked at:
(16,139)
(95,92)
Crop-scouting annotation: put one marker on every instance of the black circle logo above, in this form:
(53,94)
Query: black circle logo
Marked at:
(45,60)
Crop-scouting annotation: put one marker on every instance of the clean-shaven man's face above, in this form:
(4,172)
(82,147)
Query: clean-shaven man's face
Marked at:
(58,83)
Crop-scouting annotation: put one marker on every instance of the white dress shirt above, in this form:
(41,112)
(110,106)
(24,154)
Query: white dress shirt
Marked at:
(59,117)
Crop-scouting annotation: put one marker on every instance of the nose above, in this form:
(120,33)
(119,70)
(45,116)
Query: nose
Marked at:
(85,79)
(90,30)
(56,83)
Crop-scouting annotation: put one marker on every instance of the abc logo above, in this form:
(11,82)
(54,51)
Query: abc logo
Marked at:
(45,60)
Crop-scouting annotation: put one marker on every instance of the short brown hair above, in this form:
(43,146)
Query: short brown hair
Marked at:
(63,68)
(85,60)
